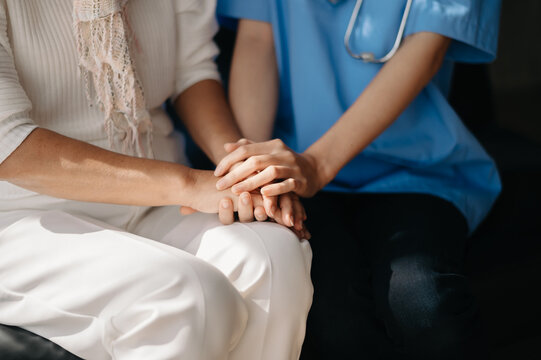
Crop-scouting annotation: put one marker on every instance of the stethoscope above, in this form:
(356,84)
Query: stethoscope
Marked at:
(369,56)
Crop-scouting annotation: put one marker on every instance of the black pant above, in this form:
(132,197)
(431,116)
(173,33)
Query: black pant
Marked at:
(387,273)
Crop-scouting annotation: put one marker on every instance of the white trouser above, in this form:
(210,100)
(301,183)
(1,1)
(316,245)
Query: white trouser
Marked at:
(171,287)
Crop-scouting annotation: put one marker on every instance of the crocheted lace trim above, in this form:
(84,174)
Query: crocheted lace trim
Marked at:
(103,38)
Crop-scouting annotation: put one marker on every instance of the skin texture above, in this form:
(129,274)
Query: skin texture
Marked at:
(281,170)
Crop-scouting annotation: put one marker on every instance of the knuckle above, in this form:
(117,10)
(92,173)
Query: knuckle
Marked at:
(242,151)
(278,142)
(255,161)
(290,157)
(273,171)
(293,183)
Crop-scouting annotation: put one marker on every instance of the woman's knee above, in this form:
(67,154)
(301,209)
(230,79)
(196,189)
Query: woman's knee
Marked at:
(184,300)
(260,255)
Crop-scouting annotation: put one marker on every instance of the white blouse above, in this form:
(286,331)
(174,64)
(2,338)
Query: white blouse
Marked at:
(39,76)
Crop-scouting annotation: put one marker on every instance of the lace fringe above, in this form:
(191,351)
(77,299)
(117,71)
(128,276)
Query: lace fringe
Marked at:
(103,41)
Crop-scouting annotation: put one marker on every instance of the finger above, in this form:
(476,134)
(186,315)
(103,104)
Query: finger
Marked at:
(257,199)
(265,177)
(244,170)
(271,205)
(286,205)
(185,210)
(260,214)
(298,213)
(229,147)
(246,208)
(278,218)
(289,185)
(306,234)
(240,154)
(225,211)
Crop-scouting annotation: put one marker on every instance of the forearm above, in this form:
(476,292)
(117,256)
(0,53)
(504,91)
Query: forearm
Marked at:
(254,80)
(397,84)
(204,110)
(52,164)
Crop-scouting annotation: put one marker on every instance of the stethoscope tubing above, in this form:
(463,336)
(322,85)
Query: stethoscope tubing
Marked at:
(368,56)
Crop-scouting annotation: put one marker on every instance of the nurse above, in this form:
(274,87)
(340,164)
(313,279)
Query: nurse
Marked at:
(394,181)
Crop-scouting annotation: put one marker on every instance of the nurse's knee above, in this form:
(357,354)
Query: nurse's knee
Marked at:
(426,306)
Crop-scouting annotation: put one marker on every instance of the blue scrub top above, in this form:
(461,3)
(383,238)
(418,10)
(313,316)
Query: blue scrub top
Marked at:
(428,149)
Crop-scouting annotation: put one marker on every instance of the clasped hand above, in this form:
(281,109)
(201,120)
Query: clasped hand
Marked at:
(273,170)
(262,180)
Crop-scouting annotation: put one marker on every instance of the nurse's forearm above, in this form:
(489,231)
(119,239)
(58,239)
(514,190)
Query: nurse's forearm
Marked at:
(55,165)
(253,89)
(204,110)
(397,84)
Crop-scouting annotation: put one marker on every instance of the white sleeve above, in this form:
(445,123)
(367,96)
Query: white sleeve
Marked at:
(15,125)
(196,50)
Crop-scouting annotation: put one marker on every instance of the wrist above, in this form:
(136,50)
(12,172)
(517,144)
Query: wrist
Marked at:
(183,189)
(322,169)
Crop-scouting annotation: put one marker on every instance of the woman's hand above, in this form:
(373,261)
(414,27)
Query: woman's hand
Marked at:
(290,212)
(205,198)
(271,161)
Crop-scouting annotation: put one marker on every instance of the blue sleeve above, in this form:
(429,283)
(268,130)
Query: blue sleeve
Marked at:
(244,9)
(472,24)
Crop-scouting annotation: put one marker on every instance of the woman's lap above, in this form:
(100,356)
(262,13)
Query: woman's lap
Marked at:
(71,280)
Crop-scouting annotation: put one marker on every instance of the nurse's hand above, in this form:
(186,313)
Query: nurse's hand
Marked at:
(279,169)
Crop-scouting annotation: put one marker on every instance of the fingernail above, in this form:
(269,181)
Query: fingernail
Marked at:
(225,204)
(291,221)
(245,199)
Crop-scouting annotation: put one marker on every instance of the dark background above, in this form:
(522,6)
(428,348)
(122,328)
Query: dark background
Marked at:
(500,103)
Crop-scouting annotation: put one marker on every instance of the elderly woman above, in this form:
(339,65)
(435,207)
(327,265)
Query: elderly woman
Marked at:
(90,255)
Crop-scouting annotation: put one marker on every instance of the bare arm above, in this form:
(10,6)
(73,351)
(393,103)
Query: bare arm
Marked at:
(204,110)
(55,165)
(254,80)
(387,96)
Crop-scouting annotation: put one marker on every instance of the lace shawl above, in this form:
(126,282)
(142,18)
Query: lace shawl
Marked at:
(104,39)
